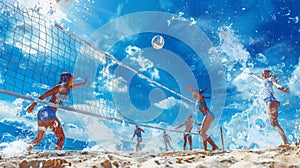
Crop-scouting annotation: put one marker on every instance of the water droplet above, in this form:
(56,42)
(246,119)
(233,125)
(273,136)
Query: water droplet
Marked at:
(157,42)
(260,124)
(293,79)
(261,58)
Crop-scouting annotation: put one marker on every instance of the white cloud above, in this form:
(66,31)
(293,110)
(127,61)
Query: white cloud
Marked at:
(166,103)
(111,82)
(155,74)
(169,103)
(10,110)
(117,84)
(135,54)
(144,63)
(244,79)
(133,51)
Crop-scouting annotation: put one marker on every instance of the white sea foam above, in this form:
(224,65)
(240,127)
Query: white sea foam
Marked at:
(13,149)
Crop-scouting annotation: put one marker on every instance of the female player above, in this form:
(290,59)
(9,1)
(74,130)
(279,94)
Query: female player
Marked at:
(271,103)
(207,120)
(167,140)
(138,132)
(47,115)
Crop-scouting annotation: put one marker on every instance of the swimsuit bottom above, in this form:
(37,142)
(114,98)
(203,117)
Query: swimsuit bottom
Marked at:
(271,98)
(188,134)
(209,113)
(46,113)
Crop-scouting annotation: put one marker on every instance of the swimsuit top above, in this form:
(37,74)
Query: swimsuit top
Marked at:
(61,97)
(200,104)
(138,133)
(267,88)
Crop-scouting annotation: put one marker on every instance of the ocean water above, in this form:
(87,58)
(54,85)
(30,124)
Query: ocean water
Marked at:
(211,44)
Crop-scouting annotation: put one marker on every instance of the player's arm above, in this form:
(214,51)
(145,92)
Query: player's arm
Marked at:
(199,124)
(42,97)
(256,77)
(181,125)
(79,84)
(279,87)
(191,89)
(133,135)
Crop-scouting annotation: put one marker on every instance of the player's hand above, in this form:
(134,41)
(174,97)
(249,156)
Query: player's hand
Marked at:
(286,90)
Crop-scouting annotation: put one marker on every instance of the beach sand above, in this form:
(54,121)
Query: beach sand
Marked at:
(283,156)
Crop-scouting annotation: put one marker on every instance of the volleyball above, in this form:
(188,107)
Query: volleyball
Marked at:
(157,42)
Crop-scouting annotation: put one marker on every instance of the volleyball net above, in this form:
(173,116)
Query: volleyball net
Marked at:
(35,52)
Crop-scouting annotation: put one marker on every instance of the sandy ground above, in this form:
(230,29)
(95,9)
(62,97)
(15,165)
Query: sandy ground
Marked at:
(283,156)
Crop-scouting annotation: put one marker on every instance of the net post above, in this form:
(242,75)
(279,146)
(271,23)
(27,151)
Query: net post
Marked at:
(221,132)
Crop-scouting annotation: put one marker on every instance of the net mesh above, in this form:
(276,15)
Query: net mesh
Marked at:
(35,52)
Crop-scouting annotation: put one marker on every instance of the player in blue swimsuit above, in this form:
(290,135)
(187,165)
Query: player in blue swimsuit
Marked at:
(47,115)
(207,120)
(272,104)
(138,132)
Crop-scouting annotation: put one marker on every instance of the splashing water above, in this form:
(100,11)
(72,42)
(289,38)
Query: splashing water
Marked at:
(231,49)
(13,149)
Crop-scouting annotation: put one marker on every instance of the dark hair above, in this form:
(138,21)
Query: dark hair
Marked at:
(65,77)
(202,91)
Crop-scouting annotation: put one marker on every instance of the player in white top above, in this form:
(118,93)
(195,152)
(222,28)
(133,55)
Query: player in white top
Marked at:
(272,104)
